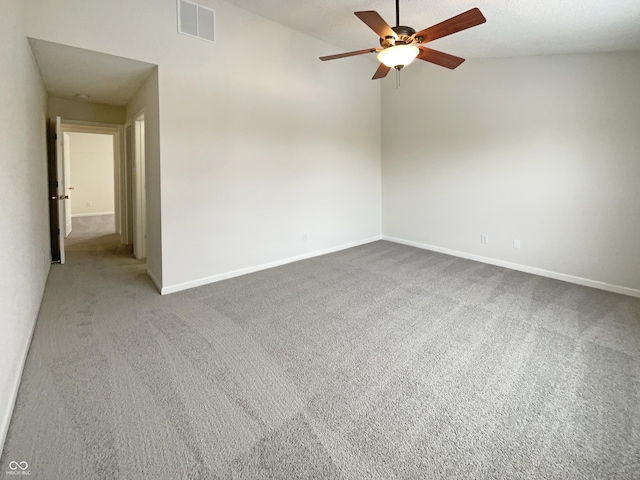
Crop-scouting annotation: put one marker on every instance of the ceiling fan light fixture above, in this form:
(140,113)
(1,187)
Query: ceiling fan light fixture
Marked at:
(398,56)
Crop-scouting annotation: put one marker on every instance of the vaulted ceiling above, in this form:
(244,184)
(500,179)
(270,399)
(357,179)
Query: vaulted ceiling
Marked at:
(513,28)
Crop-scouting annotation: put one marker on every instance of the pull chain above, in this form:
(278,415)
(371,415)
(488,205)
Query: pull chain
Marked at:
(397,79)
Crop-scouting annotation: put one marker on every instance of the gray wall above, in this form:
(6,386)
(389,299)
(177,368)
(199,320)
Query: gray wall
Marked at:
(24,214)
(541,149)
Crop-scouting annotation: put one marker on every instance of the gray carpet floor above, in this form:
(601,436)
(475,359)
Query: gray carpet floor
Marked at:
(377,362)
(90,230)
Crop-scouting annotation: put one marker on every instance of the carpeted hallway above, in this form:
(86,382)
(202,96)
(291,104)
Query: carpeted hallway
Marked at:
(381,361)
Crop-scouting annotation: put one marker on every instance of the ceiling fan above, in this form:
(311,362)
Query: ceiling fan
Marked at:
(401,45)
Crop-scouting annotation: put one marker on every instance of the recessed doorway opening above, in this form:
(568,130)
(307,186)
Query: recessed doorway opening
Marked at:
(100,182)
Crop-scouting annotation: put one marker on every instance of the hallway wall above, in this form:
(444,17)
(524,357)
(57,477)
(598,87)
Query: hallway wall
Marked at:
(24,218)
(146,100)
(85,111)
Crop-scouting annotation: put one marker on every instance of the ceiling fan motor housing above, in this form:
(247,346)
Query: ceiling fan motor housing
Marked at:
(404,36)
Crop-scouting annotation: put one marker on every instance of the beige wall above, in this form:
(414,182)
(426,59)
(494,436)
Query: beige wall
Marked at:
(541,149)
(92,175)
(85,111)
(255,149)
(24,213)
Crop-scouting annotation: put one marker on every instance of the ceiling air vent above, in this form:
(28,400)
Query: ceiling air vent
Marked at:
(196,21)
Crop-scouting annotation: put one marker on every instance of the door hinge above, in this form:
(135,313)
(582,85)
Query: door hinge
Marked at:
(55,136)
(58,231)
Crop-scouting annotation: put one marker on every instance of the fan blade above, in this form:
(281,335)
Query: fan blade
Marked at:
(439,58)
(376,23)
(349,54)
(381,72)
(455,24)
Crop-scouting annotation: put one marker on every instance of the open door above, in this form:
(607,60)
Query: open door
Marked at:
(57,191)
(66,161)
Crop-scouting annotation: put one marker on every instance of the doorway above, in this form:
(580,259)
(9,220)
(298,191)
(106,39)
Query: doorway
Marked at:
(89,175)
(99,176)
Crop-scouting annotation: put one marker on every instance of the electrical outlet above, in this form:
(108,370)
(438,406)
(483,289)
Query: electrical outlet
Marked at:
(305,236)
(89,204)
(484,238)
(516,244)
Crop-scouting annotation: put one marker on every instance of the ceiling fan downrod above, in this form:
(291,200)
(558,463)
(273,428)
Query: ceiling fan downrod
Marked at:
(403,35)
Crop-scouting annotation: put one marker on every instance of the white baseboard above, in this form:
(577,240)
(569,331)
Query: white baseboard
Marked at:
(96,214)
(264,266)
(8,414)
(521,268)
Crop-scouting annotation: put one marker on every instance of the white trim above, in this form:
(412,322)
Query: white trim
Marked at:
(5,421)
(80,126)
(264,266)
(91,214)
(521,268)
(139,187)
(126,234)
(117,133)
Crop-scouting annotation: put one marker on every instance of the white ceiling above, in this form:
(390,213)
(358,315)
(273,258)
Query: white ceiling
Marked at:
(69,71)
(513,28)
